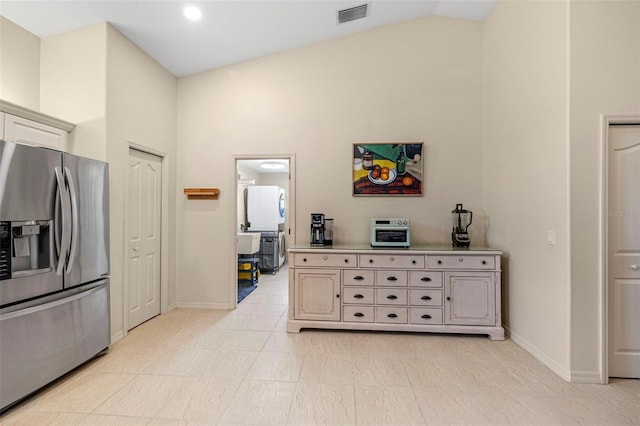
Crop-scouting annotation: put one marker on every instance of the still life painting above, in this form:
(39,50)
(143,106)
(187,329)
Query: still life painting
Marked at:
(387,169)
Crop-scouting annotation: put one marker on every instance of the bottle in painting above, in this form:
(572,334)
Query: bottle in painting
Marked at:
(401,161)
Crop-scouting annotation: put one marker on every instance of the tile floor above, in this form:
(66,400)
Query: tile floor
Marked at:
(199,367)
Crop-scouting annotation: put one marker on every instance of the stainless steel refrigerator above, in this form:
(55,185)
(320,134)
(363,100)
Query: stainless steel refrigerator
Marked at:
(54,266)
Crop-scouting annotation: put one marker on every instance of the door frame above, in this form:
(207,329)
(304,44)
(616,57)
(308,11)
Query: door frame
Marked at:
(164,231)
(291,210)
(605,123)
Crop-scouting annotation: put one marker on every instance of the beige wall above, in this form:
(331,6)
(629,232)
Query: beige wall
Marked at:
(526,171)
(73,85)
(416,81)
(19,65)
(605,79)
(115,94)
(141,110)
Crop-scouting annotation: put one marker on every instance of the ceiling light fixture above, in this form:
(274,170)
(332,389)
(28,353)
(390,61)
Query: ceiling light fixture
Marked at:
(272,166)
(192,13)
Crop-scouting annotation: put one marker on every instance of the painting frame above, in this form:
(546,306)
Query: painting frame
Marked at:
(383,169)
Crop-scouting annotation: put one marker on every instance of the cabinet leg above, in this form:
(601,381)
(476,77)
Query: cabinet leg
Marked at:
(497,334)
(292,328)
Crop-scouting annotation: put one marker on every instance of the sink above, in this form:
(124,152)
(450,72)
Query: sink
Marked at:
(248,242)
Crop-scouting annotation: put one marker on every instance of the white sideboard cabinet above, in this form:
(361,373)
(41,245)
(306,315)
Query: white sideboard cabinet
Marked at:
(28,127)
(422,289)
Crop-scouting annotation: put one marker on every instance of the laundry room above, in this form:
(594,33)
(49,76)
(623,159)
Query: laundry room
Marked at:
(262,216)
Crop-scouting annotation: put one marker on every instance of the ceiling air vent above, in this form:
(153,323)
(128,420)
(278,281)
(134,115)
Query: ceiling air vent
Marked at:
(353,13)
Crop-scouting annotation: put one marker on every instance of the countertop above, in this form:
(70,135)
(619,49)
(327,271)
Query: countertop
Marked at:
(413,249)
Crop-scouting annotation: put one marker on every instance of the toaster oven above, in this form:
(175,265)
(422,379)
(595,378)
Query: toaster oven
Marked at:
(390,232)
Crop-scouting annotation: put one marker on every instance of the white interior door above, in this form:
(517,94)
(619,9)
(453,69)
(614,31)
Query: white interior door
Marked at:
(143,284)
(624,251)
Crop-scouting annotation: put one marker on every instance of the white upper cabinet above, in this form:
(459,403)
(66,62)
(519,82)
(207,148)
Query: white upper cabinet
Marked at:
(28,127)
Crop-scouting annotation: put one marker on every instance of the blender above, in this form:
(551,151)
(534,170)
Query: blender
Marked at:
(461,221)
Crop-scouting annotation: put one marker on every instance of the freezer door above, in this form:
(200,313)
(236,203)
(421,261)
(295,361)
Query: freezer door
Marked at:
(88,183)
(42,340)
(28,188)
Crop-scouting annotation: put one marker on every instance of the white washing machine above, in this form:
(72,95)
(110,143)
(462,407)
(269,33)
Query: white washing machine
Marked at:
(282,249)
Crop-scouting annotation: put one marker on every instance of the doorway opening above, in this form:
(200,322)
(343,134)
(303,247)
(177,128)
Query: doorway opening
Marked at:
(264,219)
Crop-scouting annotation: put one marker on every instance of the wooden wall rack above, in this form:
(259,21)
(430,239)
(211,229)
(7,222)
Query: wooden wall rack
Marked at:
(202,193)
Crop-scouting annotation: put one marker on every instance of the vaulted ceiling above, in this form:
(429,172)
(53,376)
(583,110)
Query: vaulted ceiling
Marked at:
(227,32)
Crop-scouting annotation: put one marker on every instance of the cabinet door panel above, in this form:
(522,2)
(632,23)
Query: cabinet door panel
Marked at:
(317,294)
(21,130)
(470,298)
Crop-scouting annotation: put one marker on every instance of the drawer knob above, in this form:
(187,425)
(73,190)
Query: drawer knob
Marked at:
(634,267)
(484,262)
(426,298)
(338,296)
(460,259)
(358,314)
(324,257)
(392,258)
(392,297)
(358,296)
(358,278)
(448,298)
(304,260)
(439,262)
(426,316)
(370,260)
(346,260)
(413,261)
(425,279)
(392,278)
(392,316)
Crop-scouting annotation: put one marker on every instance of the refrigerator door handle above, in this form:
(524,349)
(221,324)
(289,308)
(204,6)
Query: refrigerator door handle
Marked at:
(65,213)
(56,221)
(74,218)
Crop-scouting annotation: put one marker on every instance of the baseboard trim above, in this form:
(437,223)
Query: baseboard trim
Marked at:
(117,337)
(190,305)
(564,373)
(586,377)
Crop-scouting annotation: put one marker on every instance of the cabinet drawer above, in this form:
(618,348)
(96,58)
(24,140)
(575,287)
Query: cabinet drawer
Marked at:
(461,262)
(425,279)
(401,261)
(391,315)
(320,259)
(391,278)
(425,316)
(357,277)
(356,295)
(391,296)
(358,314)
(425,297)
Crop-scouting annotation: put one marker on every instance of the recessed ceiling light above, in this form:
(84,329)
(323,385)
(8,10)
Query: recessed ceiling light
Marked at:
(272,166)
(192,13)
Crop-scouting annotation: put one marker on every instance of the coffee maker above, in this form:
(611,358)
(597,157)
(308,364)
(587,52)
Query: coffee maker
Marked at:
(461,221)
(317,230)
